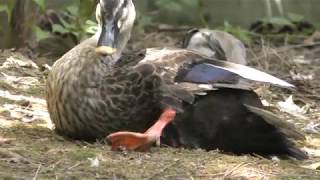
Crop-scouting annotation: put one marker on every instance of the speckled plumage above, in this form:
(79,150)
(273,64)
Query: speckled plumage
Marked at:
(89,99)
(90,95)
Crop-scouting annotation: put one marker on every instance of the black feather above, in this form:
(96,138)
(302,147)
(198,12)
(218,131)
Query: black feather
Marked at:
(220,120)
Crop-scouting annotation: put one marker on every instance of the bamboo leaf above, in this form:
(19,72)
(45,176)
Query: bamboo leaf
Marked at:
(40,34)
(9,9)
(57,28)
(86,8)
(3,8)
(41,4)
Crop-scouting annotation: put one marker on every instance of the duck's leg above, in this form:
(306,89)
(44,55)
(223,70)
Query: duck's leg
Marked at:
(142,141)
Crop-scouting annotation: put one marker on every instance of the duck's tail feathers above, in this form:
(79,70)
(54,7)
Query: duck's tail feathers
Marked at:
(297,153)
(286,128)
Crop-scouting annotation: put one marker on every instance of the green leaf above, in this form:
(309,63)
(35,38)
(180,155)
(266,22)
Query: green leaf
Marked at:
(243,35)
(41,4)
(280,21)
(57,28)
(169,5)
(77,34)
(91,27)
(295,17)
(10,5)
(40,34)
(87,8)
(192,3)
(64,23)
(73,10)
(3,8)
(227,26)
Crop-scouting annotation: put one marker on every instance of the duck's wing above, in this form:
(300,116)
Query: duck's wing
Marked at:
(188,66)
(130,58)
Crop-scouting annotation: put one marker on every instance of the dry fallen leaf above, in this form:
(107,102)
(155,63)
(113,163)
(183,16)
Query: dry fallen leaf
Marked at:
(14,62)
(312,152)
(290,107)
(312,127)
(301,77)
(94,162)
(314,166)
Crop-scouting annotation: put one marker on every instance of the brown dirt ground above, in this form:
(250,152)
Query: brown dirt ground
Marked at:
(34,151)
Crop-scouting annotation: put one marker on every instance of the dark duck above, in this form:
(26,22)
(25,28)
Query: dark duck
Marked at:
(190,100)
(216,44)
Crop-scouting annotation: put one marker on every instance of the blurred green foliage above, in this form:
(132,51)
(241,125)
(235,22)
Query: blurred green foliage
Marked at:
(243,34)
(8,8)
(76,17)
(178,6)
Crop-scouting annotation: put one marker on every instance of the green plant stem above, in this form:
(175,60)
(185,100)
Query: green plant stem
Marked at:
(201,13)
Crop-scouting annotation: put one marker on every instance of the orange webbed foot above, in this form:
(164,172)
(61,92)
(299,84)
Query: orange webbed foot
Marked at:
(131,141)
(142,141)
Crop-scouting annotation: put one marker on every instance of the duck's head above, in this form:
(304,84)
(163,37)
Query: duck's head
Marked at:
(116,19)
(199,40)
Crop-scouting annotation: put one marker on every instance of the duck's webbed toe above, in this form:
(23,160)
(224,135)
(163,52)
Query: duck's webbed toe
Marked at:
(131,141)
(142,141)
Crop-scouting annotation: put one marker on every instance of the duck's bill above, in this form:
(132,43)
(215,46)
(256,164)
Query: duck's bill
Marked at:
(106,50)
(107,40)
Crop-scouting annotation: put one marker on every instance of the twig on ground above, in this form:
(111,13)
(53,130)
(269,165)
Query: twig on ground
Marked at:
(56,163)
(229,172)
(76,165)
(37,172)
(286,48)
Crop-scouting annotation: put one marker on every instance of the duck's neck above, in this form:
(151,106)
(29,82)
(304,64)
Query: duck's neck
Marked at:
(110,59)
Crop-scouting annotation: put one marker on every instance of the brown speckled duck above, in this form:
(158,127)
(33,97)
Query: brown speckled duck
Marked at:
(94,91)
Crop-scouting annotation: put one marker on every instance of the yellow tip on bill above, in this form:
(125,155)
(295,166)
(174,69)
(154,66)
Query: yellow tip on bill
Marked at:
(106,50)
